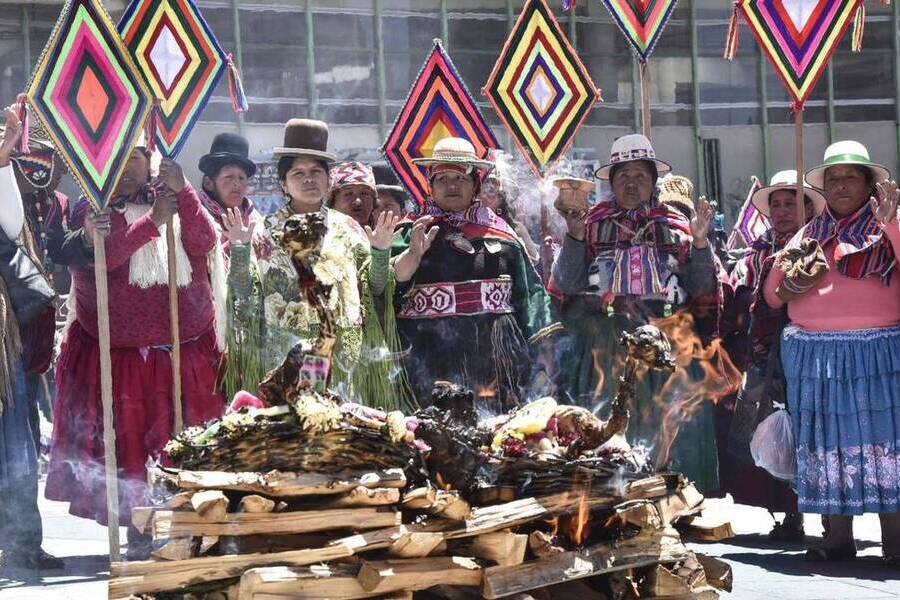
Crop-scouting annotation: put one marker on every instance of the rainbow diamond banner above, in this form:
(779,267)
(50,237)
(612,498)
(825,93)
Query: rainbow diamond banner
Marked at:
(641,21)
(180,59)
(91,98)
(439,105)
(799,37)
(540,88)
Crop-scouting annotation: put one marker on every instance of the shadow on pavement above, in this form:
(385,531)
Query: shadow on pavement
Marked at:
(788,563)
(763,542)
(78,569)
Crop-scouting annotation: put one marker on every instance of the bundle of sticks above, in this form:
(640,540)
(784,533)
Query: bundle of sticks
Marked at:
(279,535)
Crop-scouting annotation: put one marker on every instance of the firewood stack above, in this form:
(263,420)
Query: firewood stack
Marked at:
(282,536)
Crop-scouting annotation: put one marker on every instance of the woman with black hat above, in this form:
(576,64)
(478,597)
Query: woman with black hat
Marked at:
(354,261)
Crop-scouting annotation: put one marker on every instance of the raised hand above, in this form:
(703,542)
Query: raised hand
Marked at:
(96,223)
(238,230)
(11,135)
(383,234)
(884,202)
(164,207)
(171,174)
(701,221)
(422,236)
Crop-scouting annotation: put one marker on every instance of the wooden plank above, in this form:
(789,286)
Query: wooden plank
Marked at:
(151,576)
(718,572)
(254,503)
(385,576)
(663,582)
(283,484)
(442,503)
(363,496)
(141,517)
(682,503)
(168,523)
(416,544)
(502,547)
(706,529)
(334,581)
(210,504)
(647,549)
(642,514)
(176,548)
(179,500)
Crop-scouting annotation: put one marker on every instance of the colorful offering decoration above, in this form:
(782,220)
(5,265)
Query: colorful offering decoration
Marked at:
(91,97)
(540,88)
(641,21)
(180,59)
(439,105)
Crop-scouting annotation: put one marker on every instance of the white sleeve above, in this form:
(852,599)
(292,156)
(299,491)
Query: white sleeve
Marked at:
(12,215)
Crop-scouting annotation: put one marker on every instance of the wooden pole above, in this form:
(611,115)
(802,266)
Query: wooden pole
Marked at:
(176,330)
(106,398)
(798,148)
(645,99)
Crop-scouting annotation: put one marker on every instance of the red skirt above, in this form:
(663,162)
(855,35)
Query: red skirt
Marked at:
(142,409)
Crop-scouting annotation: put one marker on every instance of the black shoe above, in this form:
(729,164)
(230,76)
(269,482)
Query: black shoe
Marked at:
(789,530)
(35,560)
(825,554)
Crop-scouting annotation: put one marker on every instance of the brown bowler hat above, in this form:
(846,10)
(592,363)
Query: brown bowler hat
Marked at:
(305,137)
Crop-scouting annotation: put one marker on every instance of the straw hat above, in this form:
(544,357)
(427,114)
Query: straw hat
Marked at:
(677,190)
(630,148)
(846,152)
(786,180)
(305,137)
(454,151)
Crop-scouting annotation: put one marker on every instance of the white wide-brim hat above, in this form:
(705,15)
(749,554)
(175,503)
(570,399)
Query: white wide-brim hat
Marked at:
(786,180)
(454,151)
(846,152)
(630,148)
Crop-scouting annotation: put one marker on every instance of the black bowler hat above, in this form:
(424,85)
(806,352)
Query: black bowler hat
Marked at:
(227,149)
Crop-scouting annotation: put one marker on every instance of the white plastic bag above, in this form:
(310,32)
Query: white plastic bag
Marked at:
(772,446)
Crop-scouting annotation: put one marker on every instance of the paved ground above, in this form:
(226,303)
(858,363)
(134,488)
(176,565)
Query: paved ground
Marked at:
(762,570)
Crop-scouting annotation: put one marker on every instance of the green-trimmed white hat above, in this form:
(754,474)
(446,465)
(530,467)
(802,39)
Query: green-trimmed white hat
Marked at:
(846,152)
(454,151)
(786,180)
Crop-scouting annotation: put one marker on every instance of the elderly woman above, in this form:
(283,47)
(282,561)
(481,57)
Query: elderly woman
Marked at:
(140,336)
(838,277)
(353,191)
(760,332)
(470,305)
(354,260)
(628,260)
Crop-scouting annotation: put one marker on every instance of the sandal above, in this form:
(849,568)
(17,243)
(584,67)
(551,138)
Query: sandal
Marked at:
(824,554)
(789,530)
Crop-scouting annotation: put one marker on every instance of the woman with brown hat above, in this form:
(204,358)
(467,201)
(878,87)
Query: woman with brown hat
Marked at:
(629,259)
(471,306)
(354,260)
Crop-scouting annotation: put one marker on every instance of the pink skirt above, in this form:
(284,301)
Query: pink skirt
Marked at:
(142,408)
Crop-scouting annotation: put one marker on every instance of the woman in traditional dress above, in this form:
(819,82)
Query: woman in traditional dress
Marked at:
(471,307)
(353,191)
(628,260)
(354,260)
(140,337)
(764,384)
(24,294)
(840,353)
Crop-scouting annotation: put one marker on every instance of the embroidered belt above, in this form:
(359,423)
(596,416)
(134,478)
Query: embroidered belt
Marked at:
(435,300)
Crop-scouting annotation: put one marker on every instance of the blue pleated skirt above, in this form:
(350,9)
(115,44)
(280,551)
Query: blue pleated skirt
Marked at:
(18,448)
(844,398)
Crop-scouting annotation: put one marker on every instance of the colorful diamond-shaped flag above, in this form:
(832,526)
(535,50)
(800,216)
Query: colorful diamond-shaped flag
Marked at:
(439,105)
(642,21)
(179,57)
(799,36)
(91,98)
(539,87)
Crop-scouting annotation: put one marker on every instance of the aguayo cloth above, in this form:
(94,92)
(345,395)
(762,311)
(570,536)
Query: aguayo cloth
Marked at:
(861,249)
(844,399)
(474,308)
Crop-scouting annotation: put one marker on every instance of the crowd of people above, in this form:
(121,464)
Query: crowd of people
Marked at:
(453,289)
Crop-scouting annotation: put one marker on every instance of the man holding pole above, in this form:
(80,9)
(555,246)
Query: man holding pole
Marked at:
(140,336)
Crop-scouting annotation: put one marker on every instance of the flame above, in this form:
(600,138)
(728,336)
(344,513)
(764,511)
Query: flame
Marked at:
(601,376)
(684,392)
(577,525)
(486,391)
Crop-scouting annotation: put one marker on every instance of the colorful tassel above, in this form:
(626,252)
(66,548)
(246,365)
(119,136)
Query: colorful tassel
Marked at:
(859,26)
(236,88)
(731,38)
(24,145)
(150,129)
(568,4)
